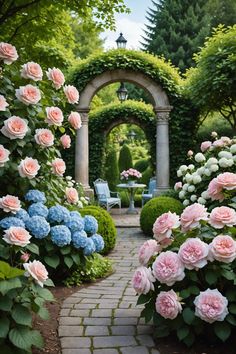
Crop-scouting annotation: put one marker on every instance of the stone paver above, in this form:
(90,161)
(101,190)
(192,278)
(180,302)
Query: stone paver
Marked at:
(103,318)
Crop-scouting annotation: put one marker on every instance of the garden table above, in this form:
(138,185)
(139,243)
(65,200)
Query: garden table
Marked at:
(131,188)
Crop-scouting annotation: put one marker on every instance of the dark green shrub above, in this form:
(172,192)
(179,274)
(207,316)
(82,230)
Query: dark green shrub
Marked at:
(125,199)
(106,226)
(125,158)
(154,208)
(146,175)
(141,165)
(112,170)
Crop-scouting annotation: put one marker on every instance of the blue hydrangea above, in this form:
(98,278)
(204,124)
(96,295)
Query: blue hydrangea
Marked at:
(58,214)
(98,241)
(38,226)
(79,239)
(60,235)
(90,224)
(6,223)
(35,196)
(75,213)
(75,223)
(90,247)
(38,209)
(22,214)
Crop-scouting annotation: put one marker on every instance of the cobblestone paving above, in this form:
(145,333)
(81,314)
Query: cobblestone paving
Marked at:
(103,318)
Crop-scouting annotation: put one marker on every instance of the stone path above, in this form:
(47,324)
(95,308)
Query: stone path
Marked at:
(122,219)
(103,318)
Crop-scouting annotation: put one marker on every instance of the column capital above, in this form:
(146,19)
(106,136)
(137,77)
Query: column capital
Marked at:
(84,115)
(163,114)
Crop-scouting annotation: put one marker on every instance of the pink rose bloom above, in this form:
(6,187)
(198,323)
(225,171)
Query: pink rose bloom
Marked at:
(178,185)
(72,94)
(149,249)
(192,215)
(28,167)
(28,94)
(227,180)
(44,137)
(168,305)
(56,76)
(164,224)
(10,203)
(142,280)
(15,128)
(25,257)
(4,155)
(54,116)
(218,143)
(193,253)
(8,53)
(58,167)
(75,120)
(17,236)
(32,71)
(3,103)
(222,249)
(65,141)
(37,271)
(205,145)
(214,190)
(168,268)
(190,153)
(72,195)
(222,216)
(226,140)
(211,306)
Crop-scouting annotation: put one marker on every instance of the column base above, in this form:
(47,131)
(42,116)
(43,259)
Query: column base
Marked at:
(159,191)
(88,191)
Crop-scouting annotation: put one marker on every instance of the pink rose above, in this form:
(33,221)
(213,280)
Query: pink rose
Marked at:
(168,268)
(222,216)
(178,185)
(205,145)
(227,180)
(222,249)
(75,120)
(214,190)
(211,306)
(71,93)
(4,155)
(218,143)
(28,94)
(32,71)
(142,280)
(54,116)
(8,53)
(226,140)
(168,305)
(25,257)
(28,167)
(192,215)
(37,271)
(17,236)
(72,195)
(193,253)
(3,103)
(10,203)
(164,224)
(44,137)
(65,141)
(149,249)
(15,128)
(58,167)
(56,76)
(190,153)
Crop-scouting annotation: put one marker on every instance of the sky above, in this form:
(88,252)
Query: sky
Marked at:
(131,25)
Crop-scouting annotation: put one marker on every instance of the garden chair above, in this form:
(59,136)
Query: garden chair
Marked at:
(147,194)
(106,198)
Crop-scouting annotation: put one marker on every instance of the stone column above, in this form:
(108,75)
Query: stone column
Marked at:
(162,149)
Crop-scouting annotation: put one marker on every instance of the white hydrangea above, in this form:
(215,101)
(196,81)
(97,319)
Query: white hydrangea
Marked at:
(207,172)
(205,195)
(193,198)
(179,173)
(183,168)
(199,157)
(188,178)
(191,188)
(211,161)
(223,162)
(201,200)
(200,171)
(234,158)
(185,187)
(197,179)
(70,184)
(191,167)
(80,204)
(233,149)
(181,194)
(186,202)
(225,154)
(214,168)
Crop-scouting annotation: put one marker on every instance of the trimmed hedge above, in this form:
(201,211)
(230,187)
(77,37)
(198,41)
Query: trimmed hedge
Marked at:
(141,165)
(106,226)
(125,158)
(154,208)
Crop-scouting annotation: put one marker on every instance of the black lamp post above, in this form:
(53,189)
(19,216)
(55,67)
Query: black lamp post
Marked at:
(121,42)
(122,93)
(132,135)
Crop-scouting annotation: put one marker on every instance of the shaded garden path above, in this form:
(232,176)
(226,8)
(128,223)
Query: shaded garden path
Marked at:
(103,318)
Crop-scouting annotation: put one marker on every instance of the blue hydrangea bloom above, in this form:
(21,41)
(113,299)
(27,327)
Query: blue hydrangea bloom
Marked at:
(90,224)
(6,223)
(98,241)
(90,247)
(38,226)
(79,239)
(60,235)
(58,214)
(38,209)
(75,213)
(75,223)
(22,214)
(35,196)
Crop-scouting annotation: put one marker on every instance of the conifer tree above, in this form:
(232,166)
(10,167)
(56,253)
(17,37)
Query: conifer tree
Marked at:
(125,158)
(111,169)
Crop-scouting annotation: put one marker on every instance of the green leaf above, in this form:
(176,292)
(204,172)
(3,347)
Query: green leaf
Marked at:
(21,315)
(194,290)
(188,316)
(5,303)
(37,339)
(222,330)
(142,299)
(7,285)
(45,294)
(21,337)
(68,261)
(184,293)
(231,294)
(182,332)
(4,327)
(65,250)
(232,308)
(147,313)
(189,340)
(231,319)
(229,275)
(49,282)
(33,248)
(211,277)
(76,258)
(43,313)
(53,261)
(161,331)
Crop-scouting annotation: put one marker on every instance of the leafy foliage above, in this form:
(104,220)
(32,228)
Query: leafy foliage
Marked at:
(125,158)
